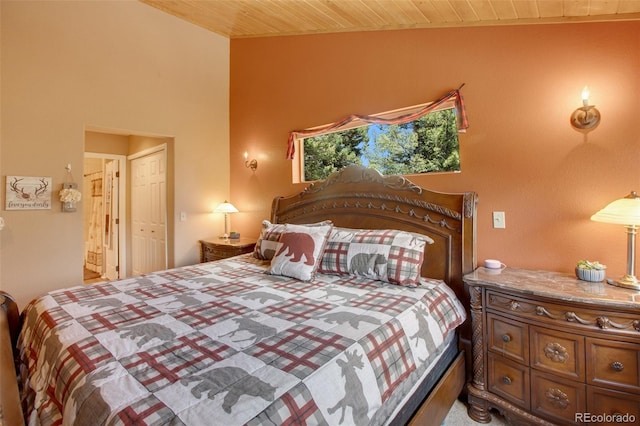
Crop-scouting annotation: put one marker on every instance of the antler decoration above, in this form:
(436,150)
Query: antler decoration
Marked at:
(38,191)
(18,190)
(42,188)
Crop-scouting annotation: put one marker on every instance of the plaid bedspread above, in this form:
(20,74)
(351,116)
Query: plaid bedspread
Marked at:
(223,343)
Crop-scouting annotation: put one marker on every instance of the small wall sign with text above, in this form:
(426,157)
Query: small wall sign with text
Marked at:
(28,193)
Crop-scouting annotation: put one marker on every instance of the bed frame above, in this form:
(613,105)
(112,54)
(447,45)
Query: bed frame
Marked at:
(10,408)
(355,197)
(361,198)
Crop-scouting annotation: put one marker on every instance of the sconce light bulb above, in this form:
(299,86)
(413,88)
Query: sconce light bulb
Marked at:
(246,155)
(587,117)
(585,96)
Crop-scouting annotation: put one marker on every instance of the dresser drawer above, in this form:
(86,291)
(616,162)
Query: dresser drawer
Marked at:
(606,401)
(217,253)
(508,379)
(224,248)
(509,338)
(556,398)
(214,253)
(558,353)
(613,364)
(565,317)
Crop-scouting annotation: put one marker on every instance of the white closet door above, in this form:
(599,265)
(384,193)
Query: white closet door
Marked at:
(149,213)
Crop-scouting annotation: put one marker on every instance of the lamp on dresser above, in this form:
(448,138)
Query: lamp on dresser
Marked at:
(624,211)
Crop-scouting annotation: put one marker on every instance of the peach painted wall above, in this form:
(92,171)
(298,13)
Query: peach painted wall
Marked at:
(520,154)
(69,66)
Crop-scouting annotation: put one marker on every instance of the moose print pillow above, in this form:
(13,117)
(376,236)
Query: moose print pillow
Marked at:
(299,251)
(385,255)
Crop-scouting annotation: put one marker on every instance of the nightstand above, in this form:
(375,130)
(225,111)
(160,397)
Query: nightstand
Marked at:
(222,248)
(548,348)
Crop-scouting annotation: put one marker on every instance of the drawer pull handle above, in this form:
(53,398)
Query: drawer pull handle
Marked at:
(617,366)
(506,380)
(506,338)
(557,398)
(556,352)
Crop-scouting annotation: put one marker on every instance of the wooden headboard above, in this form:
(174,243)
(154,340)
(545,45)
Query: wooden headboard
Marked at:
(361,198)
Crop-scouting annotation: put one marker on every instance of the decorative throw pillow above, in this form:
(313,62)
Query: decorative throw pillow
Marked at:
(299,251)
(385,255)
(270,235)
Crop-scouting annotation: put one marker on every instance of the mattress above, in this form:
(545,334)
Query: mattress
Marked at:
(226,343)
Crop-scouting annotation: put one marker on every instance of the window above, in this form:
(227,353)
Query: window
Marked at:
(425,145)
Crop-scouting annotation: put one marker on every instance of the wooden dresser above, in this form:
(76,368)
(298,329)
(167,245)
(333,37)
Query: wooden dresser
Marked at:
(222,248)
(550,349)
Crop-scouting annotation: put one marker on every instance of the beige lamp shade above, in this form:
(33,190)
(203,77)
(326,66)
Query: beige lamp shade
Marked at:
(225,207)
(625,211)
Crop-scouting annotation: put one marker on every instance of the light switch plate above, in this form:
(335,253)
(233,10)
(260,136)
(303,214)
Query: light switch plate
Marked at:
(498,220)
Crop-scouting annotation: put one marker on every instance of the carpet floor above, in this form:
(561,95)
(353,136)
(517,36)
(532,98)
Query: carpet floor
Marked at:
(458,417)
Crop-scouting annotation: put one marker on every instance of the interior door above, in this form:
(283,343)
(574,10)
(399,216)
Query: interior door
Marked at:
(111,219)
(149,213)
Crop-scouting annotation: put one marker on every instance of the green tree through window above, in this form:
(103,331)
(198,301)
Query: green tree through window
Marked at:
(331,152)
(428,144)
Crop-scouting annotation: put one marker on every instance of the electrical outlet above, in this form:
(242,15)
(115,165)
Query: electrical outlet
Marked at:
(498,220)
(183,216)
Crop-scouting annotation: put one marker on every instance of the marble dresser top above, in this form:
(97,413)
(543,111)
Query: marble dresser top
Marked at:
(555,285)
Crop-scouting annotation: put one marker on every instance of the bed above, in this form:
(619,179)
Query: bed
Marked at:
(298,332)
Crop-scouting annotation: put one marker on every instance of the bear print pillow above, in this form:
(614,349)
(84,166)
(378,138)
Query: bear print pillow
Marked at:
(270,235)
(385,255)
(299,251)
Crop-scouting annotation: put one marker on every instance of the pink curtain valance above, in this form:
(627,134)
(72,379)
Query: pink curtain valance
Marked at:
(455,95)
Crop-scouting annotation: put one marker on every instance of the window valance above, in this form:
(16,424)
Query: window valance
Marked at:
(454,95)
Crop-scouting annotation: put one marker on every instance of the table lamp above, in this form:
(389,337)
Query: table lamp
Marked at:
(625,211)
(225,208)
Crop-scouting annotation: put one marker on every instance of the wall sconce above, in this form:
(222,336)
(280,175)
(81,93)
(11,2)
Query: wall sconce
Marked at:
(69,194)
(253,164)
(225,208)
(587,117)
(624,211)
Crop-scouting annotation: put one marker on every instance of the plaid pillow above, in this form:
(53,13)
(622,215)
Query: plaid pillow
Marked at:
(270,235)
(385,255)
(299,251)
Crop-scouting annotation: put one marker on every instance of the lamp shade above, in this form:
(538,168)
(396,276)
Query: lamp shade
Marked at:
(225,207)
(625,211)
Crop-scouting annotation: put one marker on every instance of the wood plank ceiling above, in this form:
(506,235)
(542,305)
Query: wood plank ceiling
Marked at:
(263,18)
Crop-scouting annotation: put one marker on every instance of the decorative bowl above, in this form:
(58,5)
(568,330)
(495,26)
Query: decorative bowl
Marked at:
(592,275)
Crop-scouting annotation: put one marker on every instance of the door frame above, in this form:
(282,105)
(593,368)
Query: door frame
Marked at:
(122,207)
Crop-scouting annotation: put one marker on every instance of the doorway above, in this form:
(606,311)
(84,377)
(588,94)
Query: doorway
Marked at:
(109,199)
(104,195)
